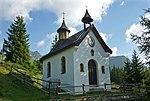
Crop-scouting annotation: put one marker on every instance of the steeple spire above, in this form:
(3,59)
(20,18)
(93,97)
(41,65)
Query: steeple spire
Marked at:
(87,18)
(63,30)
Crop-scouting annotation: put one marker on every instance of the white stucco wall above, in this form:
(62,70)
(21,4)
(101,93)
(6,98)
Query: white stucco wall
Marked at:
(83,55)
(55,61)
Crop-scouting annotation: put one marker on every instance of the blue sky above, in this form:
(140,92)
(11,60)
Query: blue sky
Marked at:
(114,19)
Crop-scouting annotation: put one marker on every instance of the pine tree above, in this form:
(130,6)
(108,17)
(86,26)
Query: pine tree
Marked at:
(143,40)
(127,72)
(136,68)
(16,48)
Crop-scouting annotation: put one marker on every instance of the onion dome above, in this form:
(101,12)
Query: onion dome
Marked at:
(87,18)
(63,27)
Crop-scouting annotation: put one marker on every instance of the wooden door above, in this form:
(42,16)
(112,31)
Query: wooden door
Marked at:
(92,72)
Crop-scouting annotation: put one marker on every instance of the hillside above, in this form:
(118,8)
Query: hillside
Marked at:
(11,89)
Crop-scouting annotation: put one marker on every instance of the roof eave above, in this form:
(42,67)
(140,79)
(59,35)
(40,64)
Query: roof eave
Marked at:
(54,53)
(101,41)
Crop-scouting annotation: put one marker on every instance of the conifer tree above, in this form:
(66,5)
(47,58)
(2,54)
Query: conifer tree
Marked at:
(136,68)
(16,47)
(127,72)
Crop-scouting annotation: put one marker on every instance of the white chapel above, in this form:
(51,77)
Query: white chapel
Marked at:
(82,58)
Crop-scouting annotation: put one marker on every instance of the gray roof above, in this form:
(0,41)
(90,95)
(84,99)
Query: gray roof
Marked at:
(75,40)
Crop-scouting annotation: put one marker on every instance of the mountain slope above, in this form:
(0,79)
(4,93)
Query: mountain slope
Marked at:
(35,55)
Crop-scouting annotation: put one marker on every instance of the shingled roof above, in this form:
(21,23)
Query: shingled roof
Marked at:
(75,40)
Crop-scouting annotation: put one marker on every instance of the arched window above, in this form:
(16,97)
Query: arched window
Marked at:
(103,69)
(63,65)
(81,67)
(48,69)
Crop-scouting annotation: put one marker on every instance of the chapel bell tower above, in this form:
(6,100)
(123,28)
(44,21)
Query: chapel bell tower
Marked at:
(63,30)
(87,19)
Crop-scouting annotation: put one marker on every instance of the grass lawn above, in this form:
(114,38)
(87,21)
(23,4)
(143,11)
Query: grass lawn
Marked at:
(11,89)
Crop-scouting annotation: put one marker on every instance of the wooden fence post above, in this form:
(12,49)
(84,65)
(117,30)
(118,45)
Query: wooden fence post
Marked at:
(57,91)
(105,87)
(83,89)
(49,86)
(59,83)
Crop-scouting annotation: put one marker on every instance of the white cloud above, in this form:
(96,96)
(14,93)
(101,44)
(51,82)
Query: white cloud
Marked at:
(114,49)
(51,36)
(122,3)
(46,43)
(134,29)
(105,36)
(40,43)
(74,9)
(12,8)
(0,32)
(73,31)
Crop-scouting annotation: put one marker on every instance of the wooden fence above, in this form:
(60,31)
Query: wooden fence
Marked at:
(118,91)
(33,81)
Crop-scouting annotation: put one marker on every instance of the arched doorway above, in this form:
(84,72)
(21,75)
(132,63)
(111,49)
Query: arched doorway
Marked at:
(92,72)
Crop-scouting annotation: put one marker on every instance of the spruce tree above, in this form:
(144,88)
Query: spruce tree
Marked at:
(127,72)
(16,47)
(136,68)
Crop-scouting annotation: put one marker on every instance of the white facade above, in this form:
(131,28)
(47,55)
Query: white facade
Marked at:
(74,57)
(83,55)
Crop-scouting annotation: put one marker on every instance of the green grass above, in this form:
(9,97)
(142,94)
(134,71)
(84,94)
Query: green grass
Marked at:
(11,89)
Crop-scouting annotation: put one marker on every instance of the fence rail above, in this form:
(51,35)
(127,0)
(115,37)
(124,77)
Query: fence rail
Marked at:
(118,91)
